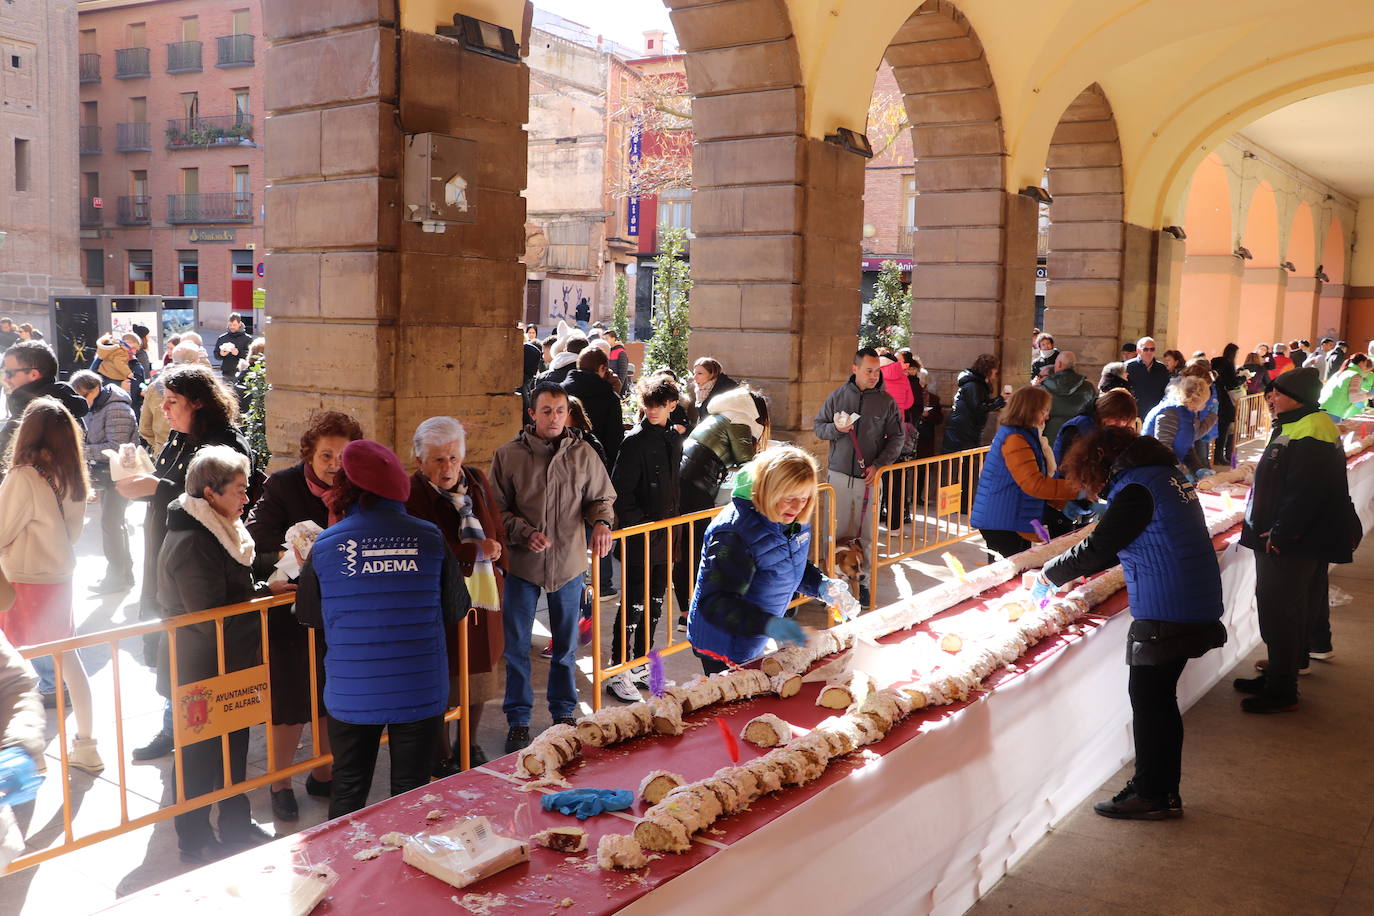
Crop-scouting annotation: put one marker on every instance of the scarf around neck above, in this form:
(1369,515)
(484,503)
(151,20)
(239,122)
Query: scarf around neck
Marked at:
(317,487)
(482,583)
(231,533)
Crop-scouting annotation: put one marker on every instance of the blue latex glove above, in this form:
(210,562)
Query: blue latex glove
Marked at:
(1074,510)
(1099,507)
(785,630)
(585,803)
(1042,590)
(1203,473)
(19,778)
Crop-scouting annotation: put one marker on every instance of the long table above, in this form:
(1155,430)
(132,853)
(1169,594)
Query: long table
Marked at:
(924,821)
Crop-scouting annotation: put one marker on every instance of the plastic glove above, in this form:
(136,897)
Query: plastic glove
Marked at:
(837,595)
(785,630)
(1099,507)
(19,778)
(1042,590)
(1203,473)
(1075,510)
(585,803)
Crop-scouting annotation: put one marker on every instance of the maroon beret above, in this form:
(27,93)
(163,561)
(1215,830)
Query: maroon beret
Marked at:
(376,469)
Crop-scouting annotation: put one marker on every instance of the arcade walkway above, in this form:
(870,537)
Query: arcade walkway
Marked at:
(1280,809)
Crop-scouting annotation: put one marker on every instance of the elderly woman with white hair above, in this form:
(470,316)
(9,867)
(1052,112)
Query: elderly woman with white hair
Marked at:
(206,561)
(459,500)
(1176,421)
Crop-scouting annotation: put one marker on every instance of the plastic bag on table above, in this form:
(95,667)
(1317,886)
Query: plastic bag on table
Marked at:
(465,853)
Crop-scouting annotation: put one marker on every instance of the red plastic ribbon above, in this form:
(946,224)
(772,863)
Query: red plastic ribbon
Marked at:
(731,745)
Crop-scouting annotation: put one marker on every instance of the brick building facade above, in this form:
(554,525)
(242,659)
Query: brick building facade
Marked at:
(171,184)
(38,151)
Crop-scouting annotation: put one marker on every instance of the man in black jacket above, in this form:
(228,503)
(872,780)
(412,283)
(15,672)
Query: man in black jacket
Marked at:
(588,383)
(232,346)
(1299,519)
(30,370)
(646,490)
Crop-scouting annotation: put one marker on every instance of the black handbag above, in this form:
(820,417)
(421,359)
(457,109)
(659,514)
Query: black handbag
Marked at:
(1158,642)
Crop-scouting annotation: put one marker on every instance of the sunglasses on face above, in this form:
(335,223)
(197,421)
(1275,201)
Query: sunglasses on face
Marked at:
(1148,349)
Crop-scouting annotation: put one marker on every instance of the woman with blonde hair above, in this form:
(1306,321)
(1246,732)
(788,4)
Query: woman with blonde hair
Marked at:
(42,507)
(1018,479)
(1174,421)
(754,558)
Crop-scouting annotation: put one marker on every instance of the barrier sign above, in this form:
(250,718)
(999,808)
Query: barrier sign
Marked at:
(947,501)
(220,705)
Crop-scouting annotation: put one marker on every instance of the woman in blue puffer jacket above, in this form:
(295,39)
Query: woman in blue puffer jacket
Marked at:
(755,557)
(1175,420)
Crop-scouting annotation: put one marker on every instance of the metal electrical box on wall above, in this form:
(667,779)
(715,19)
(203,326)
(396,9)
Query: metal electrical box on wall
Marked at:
(440,178)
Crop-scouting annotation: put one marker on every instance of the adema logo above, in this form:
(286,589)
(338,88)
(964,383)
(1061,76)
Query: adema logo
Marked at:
(350,552)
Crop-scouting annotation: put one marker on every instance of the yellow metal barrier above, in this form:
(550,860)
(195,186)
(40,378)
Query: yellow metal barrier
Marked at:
(678,530)
(1252,419)
(111,639)
(937,491)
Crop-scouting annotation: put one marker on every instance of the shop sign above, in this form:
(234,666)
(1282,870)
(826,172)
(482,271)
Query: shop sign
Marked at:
(220,705)
(947,500)
(213,235)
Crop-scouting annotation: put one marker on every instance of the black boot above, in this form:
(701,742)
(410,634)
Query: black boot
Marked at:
(517,738)
(1268,702)
(1128,804)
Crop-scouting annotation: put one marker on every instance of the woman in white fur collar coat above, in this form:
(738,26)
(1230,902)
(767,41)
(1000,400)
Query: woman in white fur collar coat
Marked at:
(206,562)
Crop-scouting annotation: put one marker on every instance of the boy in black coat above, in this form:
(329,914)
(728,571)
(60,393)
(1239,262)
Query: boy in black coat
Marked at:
(646,485)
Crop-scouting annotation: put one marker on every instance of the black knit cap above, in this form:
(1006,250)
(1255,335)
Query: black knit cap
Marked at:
(1303,385)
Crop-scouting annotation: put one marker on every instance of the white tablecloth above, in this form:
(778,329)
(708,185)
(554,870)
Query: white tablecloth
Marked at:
(936,822)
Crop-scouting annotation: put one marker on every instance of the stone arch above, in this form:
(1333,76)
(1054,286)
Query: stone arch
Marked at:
(1264,282)
(974,259)
(776,215)
(1087,239)
(1299,318)
(1210,286)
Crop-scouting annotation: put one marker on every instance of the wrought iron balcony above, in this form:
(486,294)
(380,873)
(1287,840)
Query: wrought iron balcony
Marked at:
(89,68)
(198,133)
(133,137)
(131,63)
(91,215)
(183,57)
(223,207)
(135,211)
(88,136)
(235,50)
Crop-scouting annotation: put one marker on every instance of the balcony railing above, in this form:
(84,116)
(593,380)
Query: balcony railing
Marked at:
(183,57)
(89,68)
(133,137)
(135,211)
(198,133)
(235,50)
(224,207)
(91,215)
(131,63)
(906,240)
(88,136)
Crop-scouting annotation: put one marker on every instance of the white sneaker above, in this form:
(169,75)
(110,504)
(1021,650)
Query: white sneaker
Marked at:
(639,676)
(623,688)
(85,757)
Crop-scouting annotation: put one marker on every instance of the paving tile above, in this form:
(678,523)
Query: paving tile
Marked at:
(1026,898)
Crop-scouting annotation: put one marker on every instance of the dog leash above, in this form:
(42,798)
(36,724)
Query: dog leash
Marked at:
(863,468)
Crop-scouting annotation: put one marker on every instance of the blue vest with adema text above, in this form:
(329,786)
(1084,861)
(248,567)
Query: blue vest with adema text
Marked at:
(380,571)
(1000,504)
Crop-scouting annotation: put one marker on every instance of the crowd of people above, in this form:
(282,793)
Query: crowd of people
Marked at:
(403,557)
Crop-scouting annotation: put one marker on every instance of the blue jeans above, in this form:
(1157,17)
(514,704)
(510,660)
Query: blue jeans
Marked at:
(517,616)
(47,673)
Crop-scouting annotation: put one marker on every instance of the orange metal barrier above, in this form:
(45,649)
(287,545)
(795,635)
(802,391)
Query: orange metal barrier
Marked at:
(1252,419)
(678,530)
(938,493)
(110,639)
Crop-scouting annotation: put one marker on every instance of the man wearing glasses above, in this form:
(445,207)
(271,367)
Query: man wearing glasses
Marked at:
(1148,378)
(30,371)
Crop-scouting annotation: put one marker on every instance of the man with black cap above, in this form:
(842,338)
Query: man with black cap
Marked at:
(1299,519)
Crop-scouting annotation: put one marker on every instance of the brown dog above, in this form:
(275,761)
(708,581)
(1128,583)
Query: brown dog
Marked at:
(849,560)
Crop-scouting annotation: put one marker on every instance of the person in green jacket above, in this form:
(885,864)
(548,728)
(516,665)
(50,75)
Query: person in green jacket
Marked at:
(1346,392)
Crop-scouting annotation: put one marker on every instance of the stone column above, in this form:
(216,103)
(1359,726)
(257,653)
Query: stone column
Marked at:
(369,313)
(777,215)
(1261,305)
(1211,310)
(1299,320)
(1331,314)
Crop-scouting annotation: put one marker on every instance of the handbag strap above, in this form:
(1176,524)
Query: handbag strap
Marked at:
(61,510)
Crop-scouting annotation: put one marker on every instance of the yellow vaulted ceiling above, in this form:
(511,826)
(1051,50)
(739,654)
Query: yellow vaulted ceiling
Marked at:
(1181,75)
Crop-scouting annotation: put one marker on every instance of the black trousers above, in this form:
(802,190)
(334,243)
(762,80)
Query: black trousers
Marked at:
(1290,591)
(114,536)
(203,769)
(710,665)
(355,759)
(1006,543)
(638,636)
(1225,444)
(1158,728)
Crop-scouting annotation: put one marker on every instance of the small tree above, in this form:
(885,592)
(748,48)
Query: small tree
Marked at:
(887,319)
(667,347)
(255,414)
(620,317)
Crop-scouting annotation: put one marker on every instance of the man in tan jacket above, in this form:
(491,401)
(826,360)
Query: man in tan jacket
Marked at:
(550,485)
